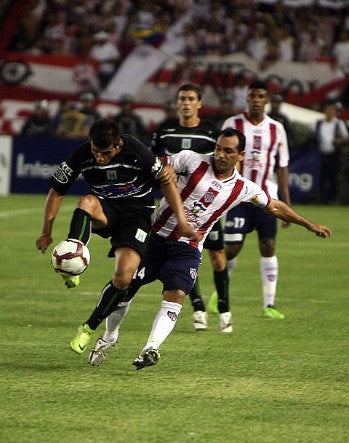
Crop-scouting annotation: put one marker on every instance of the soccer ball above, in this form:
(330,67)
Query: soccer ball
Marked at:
(70,257)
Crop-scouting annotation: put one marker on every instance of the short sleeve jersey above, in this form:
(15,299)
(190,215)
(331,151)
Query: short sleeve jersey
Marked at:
(205,197)
(129,176)
(175,138)
(266,149)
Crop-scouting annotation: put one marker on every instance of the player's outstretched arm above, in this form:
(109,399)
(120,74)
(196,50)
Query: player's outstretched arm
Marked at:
(280,210)
(53,203)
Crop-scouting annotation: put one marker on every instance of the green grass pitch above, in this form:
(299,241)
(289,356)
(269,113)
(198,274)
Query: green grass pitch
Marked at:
(268,381)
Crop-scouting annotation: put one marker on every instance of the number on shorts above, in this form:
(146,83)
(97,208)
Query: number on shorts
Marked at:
(239,222)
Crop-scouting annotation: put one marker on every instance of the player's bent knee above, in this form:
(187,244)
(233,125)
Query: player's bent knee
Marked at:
(218,260)
(88,203)
(233,250)
(174,296)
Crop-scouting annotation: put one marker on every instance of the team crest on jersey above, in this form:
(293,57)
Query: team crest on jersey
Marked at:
(193,273)
(111,174)
(208,197)
(186,143)
(216,185)
(172,315)
(63,172)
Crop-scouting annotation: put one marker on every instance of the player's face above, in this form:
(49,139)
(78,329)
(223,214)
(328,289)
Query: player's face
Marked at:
(226,154)
(188,104)
(104,156)
(256,101)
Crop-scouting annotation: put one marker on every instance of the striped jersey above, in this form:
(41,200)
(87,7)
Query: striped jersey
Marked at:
(175,138)
(266,149)
(205,197)
(128,177)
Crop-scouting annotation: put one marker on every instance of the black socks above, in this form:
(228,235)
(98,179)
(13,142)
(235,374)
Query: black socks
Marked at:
(80,226)
(110,298)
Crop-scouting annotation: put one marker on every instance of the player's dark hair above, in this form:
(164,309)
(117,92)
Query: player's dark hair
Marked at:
(191,87)
(231,132)
(104,132)
(258,84)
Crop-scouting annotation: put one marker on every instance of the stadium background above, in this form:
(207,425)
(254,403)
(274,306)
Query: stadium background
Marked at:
(264,383)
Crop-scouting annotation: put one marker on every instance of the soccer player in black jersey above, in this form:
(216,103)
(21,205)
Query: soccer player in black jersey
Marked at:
(121,172)
(195,134)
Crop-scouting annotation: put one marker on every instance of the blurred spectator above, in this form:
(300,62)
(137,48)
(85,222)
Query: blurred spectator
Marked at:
(88,107)
(272,55)
(331,134)
(258,44)
(106,54)
(129,122)
(39,123)
(63,106)
(74,124)
(171,117)
(226,110)
(276,101)
(341,51)
(85,76)
(239,94)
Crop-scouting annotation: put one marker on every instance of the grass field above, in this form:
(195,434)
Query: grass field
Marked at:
(269,381)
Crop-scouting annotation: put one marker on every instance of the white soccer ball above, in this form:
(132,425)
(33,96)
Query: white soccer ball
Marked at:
(70,257)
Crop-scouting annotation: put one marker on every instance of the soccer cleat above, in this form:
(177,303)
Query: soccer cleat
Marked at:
(79,343)
(71,281)
(213,303)
(225,322)
(200,320)
(148,357)
(99,352)
(271,312)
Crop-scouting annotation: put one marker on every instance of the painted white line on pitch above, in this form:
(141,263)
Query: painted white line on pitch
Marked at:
(16,212)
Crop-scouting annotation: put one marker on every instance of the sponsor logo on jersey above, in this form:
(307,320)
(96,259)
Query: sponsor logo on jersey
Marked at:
(216,185)
(62,173)
(172,315)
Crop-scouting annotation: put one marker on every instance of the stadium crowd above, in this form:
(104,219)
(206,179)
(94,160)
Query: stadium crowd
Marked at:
(289,30)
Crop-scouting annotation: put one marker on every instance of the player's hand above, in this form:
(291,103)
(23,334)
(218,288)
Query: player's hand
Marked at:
(167,175)
(187,231)
(43,242)
(320,231)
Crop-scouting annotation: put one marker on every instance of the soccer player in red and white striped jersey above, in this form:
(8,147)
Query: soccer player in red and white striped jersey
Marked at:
(265,163)
(209,185)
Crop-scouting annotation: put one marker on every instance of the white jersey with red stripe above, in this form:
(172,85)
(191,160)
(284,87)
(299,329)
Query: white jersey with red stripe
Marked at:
(205,197)
(266,149)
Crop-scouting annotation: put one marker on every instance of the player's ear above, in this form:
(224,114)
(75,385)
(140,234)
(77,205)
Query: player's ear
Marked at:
(200,104)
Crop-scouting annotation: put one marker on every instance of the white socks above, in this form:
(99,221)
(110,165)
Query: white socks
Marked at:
(269,272)
(163,324)
(114,320)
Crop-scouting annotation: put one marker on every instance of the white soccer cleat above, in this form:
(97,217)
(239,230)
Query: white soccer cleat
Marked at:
(99,352)
(200,320)
(148,357)
(226,322)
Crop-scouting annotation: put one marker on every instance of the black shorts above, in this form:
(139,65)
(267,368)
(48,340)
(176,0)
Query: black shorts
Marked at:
(174,263)
(127,226)
(246,217)
(215,239)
